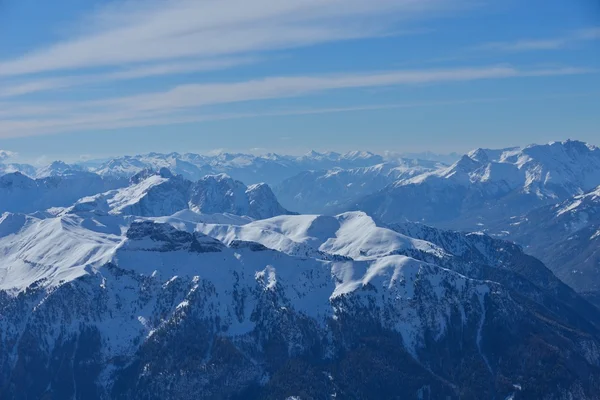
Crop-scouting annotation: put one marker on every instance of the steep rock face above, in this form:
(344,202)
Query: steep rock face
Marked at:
(222,194)
(219,193)
(165,313)
(262,202)
(486,187)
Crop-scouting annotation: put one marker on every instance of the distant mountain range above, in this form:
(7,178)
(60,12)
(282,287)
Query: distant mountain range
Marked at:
(270,168)
(325,191)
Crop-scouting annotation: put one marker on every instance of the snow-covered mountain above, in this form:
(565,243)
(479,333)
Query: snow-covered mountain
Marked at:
(112,306)
(58,168)
(25,169)
(566,236)
(486,186)
(323,191)
(20,193)
(155,194)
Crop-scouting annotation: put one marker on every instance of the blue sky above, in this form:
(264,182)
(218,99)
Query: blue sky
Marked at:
(92,78)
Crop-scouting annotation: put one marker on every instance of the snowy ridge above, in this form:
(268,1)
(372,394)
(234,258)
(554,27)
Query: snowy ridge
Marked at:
(353,235)
(75,244)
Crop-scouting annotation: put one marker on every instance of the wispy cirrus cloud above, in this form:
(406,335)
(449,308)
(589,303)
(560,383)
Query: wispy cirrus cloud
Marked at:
(138,72)
(197,95)
(184,104)
(135,39)
(137,31)
(148,39)
(555,43)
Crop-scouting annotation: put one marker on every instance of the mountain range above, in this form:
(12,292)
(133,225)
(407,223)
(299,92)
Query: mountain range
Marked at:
(186,276)
(117,306)
(485,190)
(485,187)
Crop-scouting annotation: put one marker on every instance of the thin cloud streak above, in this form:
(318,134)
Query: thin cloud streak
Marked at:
(127,117)
(144,71)
(543,44)
(197,95)
(194,96)
(124,120)
(159,30)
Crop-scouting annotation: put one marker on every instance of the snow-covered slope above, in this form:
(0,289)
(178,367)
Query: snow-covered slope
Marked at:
(487,185)
(107,306)
(323,191)
(54,249)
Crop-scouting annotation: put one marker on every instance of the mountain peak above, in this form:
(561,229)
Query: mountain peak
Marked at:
(490,155)
(357,154)
(57,168)
(465,164)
